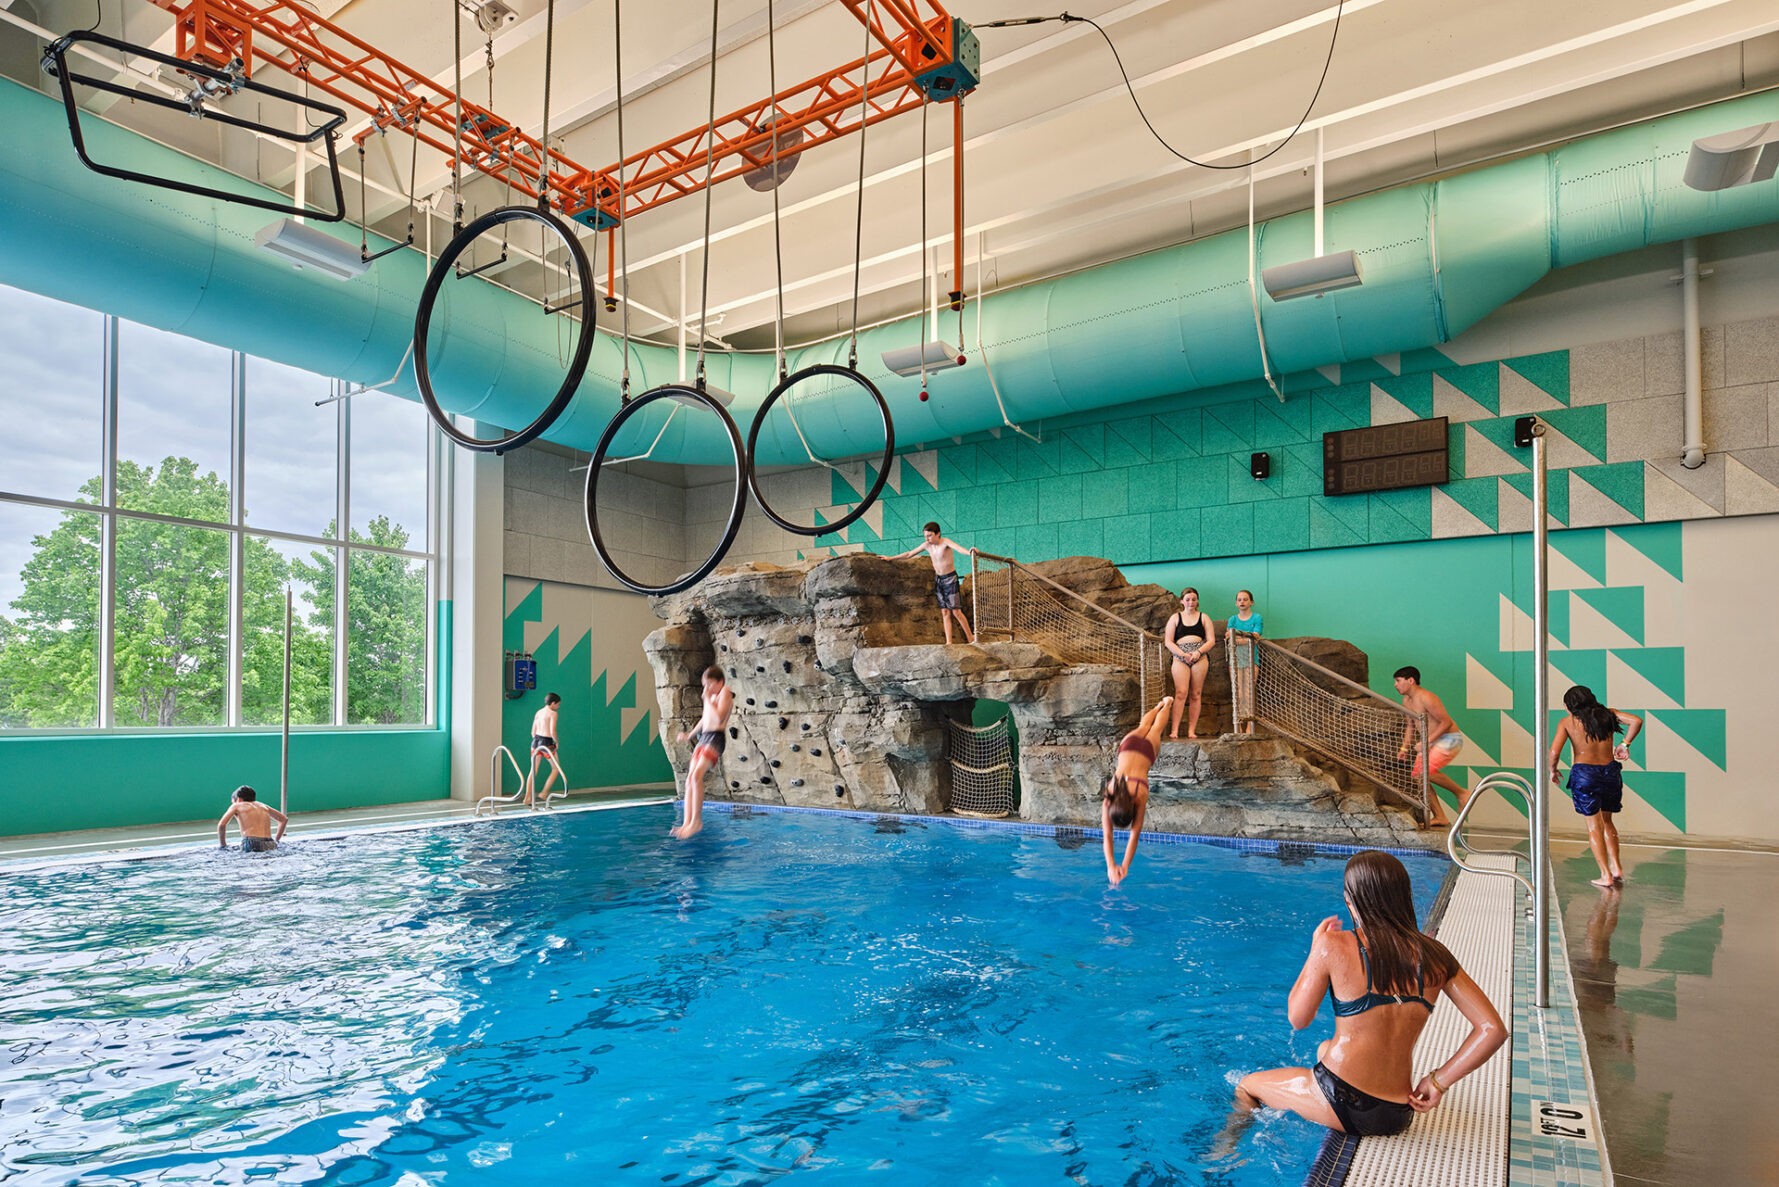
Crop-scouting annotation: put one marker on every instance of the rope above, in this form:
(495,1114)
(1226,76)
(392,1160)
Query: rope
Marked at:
(623,223)
(777,237)
(457,130)
(922,295)
(858,237)
(543,141)
(710,157)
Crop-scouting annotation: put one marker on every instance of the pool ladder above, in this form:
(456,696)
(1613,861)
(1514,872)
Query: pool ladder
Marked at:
(491,801)
(1503,782)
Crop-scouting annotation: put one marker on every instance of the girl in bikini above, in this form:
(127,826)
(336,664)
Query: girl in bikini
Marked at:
(1125,800)
(1189,635)
(1391,972)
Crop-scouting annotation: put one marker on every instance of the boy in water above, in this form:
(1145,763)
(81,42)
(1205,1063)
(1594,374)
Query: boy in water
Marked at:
(941,551)
(255,820)
(543,746)
(1596,780)
(1443,740)
(711,734)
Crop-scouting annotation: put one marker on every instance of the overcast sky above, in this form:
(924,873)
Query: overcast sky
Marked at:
(173,400)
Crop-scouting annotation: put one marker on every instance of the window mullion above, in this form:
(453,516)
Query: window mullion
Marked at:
(342,557)
(107,623)
(237,542)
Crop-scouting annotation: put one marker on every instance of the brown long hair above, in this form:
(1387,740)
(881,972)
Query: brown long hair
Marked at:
(1384,909)
(1123,801)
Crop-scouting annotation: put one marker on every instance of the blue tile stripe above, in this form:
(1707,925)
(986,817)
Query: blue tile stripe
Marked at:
(1243,844)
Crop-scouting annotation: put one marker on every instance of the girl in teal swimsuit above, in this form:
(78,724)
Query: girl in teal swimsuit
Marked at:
(1363,1082)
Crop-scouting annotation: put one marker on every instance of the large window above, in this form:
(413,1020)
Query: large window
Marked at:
(168,498)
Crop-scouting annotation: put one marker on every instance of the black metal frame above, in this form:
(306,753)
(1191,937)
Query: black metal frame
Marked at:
(55,63)
(577,367)
(677,391)
(889,449)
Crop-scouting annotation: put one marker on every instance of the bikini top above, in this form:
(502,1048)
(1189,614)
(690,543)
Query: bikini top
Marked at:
(1370,999)
(1197,628)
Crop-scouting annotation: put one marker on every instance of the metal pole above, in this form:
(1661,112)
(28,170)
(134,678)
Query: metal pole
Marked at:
(976,596)
(1540,824)
(284,756)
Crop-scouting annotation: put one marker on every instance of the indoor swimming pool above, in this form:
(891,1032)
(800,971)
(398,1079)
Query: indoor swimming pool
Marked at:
(581,999)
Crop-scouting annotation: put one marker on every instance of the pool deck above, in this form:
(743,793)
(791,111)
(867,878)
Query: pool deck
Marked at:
(101,844)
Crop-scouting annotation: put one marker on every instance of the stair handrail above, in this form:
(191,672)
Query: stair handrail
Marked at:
(1500,781)
(488,801)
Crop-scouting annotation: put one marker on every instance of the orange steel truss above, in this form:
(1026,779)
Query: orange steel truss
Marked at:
(914,37)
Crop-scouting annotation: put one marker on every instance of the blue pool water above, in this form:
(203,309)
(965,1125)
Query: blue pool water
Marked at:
(582,999)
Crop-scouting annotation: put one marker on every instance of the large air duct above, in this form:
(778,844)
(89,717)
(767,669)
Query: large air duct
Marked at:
(1437,258)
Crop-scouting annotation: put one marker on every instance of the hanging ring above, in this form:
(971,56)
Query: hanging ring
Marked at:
(577,366)
(692,396)
(883,466)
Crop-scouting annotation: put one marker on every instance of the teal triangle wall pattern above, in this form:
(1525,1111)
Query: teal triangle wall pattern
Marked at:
(605,724)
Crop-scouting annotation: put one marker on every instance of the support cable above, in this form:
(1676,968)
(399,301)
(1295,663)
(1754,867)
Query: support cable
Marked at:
(1069,18)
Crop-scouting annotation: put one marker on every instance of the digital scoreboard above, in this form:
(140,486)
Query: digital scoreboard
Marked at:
(1385,457)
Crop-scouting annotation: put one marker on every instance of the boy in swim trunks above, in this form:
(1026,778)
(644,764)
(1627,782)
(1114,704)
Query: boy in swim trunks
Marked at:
(1124,802)
(1596,780)
(941,552)
(543,747)
(255,820)
(1443,740)
(711,737)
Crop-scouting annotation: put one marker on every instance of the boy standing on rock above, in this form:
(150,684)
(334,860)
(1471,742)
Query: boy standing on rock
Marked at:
(942,551)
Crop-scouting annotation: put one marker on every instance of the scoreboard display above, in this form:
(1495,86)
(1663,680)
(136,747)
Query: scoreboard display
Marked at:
(1385,457)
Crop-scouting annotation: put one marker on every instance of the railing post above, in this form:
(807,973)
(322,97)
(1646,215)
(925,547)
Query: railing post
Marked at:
(1540,721)
(976,596)
(1427,792)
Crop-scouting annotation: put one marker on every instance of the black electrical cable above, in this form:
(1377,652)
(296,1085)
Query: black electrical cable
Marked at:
(1070,18)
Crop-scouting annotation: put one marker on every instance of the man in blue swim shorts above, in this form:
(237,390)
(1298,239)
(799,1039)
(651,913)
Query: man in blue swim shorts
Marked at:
(1596,780)
(942,551)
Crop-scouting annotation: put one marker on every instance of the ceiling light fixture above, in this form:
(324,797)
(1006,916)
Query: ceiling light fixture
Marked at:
(1321,274)
(908,360)
(308,248)
(1734,158)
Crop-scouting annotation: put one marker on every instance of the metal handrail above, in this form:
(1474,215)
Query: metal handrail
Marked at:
(1499,781)
(494,781)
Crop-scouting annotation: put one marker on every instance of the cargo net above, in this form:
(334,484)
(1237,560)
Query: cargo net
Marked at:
(1013,603)
(1349,723)
(981,769)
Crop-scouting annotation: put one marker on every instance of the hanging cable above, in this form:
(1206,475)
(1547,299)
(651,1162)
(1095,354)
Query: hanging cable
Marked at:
(777,239)
(457,129)
(710,160)
(858,238)
(922,296)
(1069,18)
(543,141)
(623,222)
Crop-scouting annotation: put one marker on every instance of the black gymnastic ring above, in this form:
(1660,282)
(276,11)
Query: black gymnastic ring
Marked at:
(889,449)
(577,367)
(666,391)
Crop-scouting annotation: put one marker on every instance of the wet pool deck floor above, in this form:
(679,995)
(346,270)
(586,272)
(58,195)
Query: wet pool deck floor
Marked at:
(1675,976)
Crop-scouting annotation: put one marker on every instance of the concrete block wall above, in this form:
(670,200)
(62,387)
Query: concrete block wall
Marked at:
(644,521)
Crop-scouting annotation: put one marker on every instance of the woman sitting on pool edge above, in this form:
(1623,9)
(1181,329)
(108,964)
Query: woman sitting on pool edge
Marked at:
(1125,800)
(1391,971)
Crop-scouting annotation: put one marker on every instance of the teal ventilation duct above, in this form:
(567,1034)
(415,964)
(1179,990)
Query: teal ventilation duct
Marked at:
(1437,256)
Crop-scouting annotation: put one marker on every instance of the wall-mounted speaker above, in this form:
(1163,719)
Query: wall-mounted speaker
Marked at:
(1260,466)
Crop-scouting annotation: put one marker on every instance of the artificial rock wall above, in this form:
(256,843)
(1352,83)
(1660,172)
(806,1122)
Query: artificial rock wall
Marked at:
(843,689)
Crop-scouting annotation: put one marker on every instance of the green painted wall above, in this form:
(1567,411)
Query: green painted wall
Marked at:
(61,782)
(605,723)
(1438,577)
